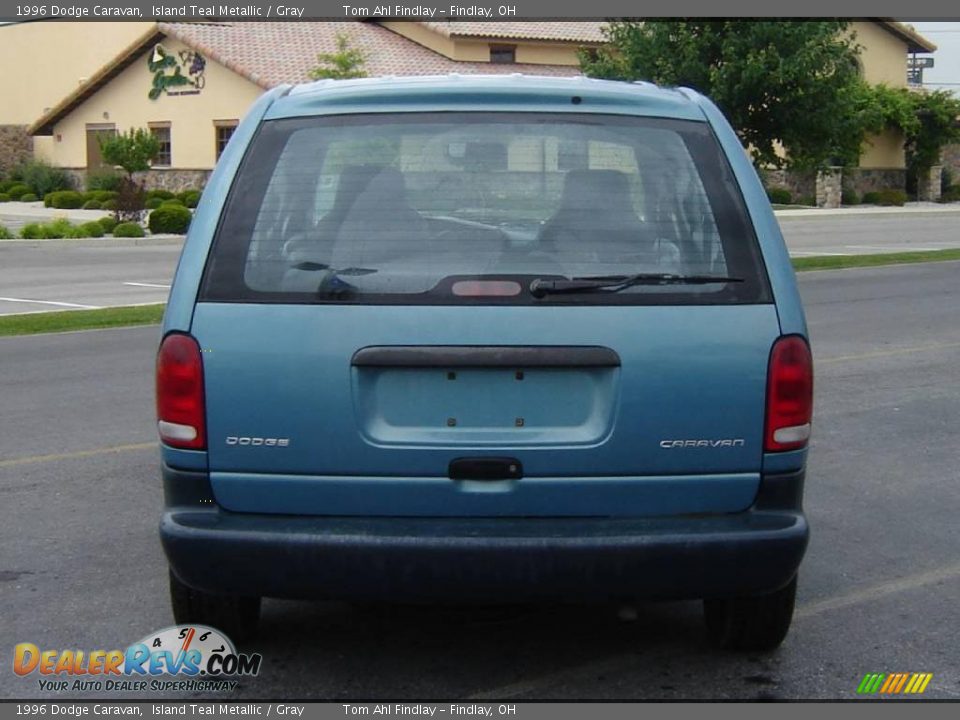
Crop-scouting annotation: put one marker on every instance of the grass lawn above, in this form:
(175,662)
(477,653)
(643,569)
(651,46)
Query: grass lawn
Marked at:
(838,262)
(64,321)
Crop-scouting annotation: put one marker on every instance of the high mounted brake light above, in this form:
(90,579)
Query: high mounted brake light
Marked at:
(789,395)
(180,409)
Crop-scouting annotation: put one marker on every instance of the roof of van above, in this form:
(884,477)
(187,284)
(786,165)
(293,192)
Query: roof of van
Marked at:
(514,93)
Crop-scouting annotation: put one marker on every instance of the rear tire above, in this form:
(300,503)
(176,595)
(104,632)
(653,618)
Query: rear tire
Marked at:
(233,615)
(757,623)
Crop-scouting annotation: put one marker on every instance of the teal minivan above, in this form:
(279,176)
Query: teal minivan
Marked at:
(485,340)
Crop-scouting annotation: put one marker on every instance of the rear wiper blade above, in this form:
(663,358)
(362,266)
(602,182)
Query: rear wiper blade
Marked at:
(615,283)
(314,267)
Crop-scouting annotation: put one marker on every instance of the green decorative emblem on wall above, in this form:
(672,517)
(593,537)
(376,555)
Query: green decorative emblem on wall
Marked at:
(180,74)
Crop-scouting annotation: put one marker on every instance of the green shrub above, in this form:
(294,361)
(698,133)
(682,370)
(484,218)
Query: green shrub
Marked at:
(849,197)
(92,205)
(67,200)
(128,229)
(779,196)
(890,196)
(108,205)
(18,190)
(173,219)
(871,198)
(32,231)
(89,229)
(153,203)
(48,200)
(190,198)
(951,194)
(29,197)
(808,201)
(107,223)
(172,201)
(102,180)
(5,233)
(59,228)
(43,177)
(102,195)
(161,194)
(5,186)
(4,197)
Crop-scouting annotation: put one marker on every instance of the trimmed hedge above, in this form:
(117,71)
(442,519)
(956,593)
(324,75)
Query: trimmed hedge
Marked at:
(108,205)
(152,203)
(128,229)
(92,205)
(66,200)
(4,197)
(108,223)
(162,194)
(780,196)
(29,197)
(18,189)
(849,197)
(173,201)
(169,218)
(190,198)
(90,229)
(890,197)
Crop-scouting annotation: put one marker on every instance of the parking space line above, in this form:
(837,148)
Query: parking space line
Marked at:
(147,285)
(880,590)
(32,459)
(619,662)
(51,302)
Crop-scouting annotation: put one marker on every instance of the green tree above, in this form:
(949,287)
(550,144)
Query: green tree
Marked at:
(778,82)
(344,64)
(132,150)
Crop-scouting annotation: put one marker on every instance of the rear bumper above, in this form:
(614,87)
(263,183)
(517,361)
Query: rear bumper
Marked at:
(488,560)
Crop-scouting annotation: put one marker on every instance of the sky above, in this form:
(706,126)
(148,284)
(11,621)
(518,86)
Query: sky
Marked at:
(945,73)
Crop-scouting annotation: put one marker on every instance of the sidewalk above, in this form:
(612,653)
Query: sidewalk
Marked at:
(913,208)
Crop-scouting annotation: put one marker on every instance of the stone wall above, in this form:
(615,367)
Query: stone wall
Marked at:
(864,180)
(950,159)
(829,184)
(16,146)
(172,180)
(928,184)
(800,184)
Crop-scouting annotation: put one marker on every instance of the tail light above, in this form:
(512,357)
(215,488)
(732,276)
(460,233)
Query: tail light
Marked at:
(789,395)
(180,412)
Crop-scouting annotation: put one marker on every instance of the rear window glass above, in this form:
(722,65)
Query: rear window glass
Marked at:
(475,207)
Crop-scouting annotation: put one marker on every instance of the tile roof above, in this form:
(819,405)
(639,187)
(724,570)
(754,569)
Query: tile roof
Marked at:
(272,53)
(564,31)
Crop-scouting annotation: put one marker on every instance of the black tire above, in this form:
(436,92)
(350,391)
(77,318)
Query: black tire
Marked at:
(233,615)
(757,623)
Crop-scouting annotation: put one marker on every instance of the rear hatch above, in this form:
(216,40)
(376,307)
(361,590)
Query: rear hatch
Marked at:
(373,344)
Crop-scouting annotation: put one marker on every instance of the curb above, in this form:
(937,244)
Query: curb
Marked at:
(111,242)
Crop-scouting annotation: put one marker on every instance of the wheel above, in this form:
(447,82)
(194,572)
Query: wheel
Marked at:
(234,615)
(758,622)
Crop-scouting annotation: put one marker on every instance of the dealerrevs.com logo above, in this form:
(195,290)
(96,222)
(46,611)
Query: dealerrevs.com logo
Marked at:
(181,657)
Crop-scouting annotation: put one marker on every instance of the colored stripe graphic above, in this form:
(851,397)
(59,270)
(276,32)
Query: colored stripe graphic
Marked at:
(894,683)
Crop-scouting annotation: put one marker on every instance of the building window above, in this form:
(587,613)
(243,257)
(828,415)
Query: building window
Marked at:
(161,131)
(223,131)
(505,54)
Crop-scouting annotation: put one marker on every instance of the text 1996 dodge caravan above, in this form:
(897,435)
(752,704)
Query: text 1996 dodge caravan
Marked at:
(490,339)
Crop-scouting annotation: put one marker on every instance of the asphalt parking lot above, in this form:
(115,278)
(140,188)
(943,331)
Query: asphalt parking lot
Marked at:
(82,566)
